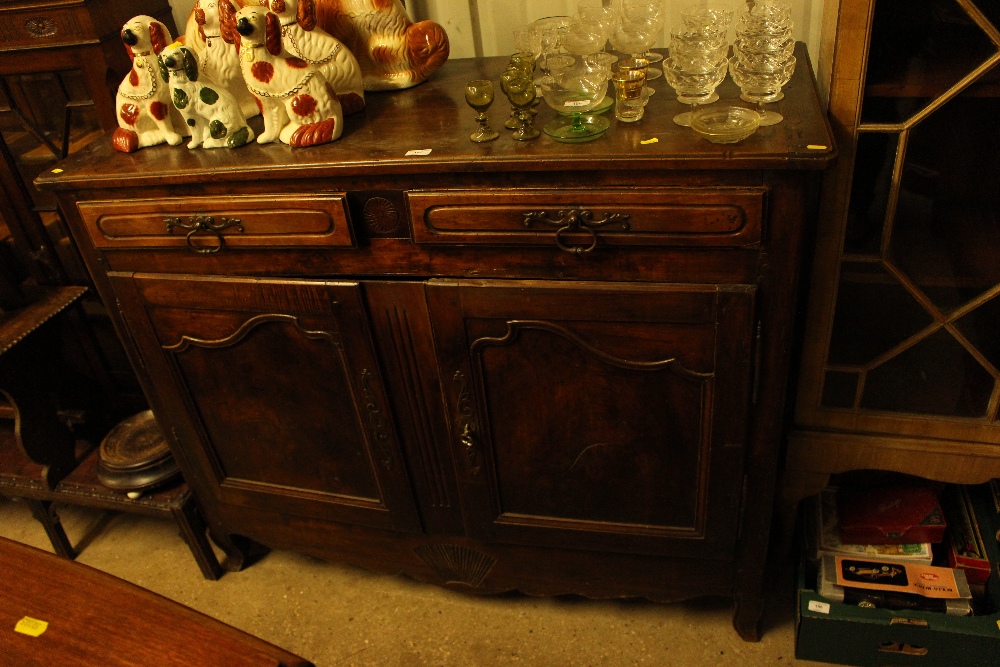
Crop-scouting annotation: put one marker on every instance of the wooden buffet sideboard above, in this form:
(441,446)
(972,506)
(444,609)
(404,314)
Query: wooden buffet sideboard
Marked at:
(556,368)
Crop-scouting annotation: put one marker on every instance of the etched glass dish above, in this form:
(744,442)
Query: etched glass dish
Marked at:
(725,125)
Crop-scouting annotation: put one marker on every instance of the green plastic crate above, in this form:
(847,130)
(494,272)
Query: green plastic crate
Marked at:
(850,635)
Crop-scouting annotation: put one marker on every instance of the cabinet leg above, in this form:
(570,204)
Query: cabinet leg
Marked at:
(746,618)
(46,515)
(195,534)
(795,486)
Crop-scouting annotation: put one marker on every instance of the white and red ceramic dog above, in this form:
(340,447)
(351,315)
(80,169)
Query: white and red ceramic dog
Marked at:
(393,51)
(300,108)
(145,114)
(304,39)
(217,57)
(210,111)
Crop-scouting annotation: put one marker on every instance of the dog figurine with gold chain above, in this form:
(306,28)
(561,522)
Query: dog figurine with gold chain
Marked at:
(145,114)
(300,107)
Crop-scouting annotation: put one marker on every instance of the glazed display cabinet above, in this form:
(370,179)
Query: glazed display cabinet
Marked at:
(901,359)
(536,366)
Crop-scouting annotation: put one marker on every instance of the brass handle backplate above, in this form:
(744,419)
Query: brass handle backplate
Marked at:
(577,220)
(197,224)
(469,436)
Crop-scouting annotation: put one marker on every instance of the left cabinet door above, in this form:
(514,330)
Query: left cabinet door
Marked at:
(273,393)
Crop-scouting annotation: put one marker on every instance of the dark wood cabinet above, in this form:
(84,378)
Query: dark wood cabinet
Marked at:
(545,367)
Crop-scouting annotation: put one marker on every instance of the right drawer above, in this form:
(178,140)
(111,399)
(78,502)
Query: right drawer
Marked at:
(578,220)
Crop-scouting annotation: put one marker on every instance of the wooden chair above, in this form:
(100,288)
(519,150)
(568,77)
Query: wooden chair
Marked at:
(43,462)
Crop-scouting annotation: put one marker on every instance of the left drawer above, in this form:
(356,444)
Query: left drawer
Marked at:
(213,224)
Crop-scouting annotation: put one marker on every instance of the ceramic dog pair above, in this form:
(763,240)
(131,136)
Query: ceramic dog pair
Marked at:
(164,97)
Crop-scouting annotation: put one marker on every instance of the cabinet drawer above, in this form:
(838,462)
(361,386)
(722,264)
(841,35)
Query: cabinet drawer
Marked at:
(578,220)
(210,224)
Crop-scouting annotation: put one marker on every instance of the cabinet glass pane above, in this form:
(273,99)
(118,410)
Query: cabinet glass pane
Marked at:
(918,308)
(870,190)
(918,51)
(946,236)
(840,389)
(981,328)
(875,313)
(936,376)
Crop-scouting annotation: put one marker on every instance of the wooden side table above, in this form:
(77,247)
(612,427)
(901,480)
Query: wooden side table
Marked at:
(41,461)
(93,618)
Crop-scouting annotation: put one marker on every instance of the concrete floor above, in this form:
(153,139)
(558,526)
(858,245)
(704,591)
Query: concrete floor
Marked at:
(342,616)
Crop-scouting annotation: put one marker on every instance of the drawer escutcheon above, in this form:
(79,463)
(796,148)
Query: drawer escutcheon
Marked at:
(204,223)
(576,220)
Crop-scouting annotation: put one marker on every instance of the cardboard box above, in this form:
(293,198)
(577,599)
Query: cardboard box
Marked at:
(965,546)
(845,634)
(828,538)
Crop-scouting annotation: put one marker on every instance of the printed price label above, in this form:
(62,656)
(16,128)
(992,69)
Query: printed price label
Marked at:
(819,607)
(31,626)
(577,103)
(421,151)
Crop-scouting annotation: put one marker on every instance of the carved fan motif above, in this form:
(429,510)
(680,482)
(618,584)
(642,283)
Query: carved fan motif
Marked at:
(457,564)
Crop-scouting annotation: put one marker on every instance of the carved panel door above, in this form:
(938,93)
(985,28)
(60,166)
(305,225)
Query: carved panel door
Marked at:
(598,416)
(249,361)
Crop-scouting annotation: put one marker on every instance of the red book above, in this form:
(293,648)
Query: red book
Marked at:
(890,515)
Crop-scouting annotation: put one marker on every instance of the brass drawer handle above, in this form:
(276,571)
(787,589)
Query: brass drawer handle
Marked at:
(577,220)
(204,223)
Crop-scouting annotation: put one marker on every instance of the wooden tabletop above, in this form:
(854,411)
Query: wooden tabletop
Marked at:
(434,115)
(94,618)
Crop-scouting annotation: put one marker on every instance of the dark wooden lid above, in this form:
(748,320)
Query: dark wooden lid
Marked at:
(134,454)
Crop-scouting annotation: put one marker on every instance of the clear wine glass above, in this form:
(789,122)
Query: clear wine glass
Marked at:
(596,10)
(584,36)
(479,95)
(646,11)
(635,38)
(550,31)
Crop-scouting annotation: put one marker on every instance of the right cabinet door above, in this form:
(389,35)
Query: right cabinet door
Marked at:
(598,415)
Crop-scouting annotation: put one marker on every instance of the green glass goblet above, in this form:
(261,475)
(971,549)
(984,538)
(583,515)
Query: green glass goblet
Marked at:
(520,90)
(479,95)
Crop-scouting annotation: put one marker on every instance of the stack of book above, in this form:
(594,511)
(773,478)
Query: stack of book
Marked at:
(875,548)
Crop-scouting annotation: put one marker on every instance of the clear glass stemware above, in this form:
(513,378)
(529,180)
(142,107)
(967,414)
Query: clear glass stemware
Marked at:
(694,81)
(761,86)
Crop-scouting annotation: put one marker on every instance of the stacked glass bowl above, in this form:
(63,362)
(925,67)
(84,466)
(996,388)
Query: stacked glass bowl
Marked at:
(762,61)
(697,61)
